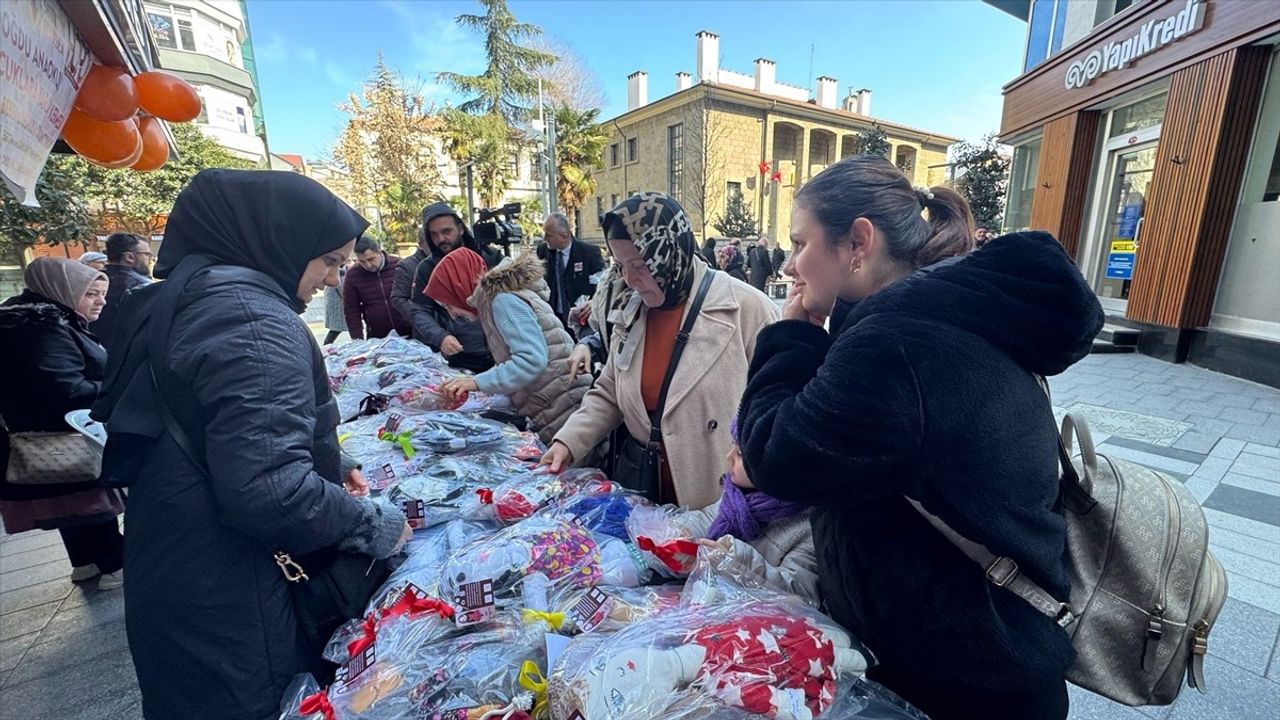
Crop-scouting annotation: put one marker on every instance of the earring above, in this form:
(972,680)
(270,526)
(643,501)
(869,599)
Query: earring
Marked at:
(856,268)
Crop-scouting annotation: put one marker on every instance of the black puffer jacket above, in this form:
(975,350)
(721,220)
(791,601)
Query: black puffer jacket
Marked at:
(51,365)
(205,599)
(928,390)
(121,280)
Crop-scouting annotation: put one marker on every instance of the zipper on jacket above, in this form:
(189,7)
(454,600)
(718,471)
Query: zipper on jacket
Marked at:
(1155,619)
(1200,637)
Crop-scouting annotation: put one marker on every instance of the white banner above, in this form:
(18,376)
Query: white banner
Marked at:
(43,60)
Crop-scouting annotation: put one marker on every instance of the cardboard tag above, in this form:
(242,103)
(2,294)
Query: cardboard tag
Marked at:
(415,511)
(393,422)
(591,609)
(380,478)
(475,603)
(348,673)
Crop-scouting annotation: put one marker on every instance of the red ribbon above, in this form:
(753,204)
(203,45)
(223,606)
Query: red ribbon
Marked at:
(411,604)
(318,703)
(486,496)
(368,633)
(776,176)
(669,551)
(764,167)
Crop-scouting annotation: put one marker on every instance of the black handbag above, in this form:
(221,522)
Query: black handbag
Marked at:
(328,587)
(638,465)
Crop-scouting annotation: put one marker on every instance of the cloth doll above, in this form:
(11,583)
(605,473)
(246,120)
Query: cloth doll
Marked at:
(765,660)
(563,552)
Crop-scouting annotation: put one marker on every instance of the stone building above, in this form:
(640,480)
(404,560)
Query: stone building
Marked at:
(732,133)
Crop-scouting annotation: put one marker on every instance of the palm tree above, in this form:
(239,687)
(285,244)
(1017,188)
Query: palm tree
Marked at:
(580,143)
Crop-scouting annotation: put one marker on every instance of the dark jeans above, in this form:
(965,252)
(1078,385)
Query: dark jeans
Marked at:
(333,335)
(97,543)
(1047,704)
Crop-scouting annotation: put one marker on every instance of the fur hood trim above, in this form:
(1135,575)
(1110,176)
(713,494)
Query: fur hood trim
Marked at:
(513,275)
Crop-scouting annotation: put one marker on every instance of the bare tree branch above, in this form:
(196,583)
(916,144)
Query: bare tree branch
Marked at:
(568,81)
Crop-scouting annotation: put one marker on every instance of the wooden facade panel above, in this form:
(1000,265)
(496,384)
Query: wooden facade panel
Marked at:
(1204,143)
(1041,95)
(1066,160)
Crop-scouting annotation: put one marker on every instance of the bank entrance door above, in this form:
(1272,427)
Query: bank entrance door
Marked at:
(1127,184)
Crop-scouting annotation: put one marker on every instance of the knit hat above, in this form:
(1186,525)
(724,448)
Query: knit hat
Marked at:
(455,278)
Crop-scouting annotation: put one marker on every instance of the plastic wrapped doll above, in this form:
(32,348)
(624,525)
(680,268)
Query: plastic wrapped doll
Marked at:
(563,552)
(771,659)
(464,674)
(768,537)
(520,497)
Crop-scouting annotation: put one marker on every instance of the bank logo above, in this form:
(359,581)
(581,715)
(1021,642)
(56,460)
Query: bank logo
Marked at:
(1151,36)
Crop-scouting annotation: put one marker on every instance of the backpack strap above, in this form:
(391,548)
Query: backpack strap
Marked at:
(682,339)
(1002,571)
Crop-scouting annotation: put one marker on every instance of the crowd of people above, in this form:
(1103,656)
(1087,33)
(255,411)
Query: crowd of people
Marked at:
(903,364)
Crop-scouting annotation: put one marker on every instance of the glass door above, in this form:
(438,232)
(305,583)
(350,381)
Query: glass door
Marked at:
(1128,183)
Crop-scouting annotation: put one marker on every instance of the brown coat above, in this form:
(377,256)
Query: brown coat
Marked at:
(548,400)
(705,390)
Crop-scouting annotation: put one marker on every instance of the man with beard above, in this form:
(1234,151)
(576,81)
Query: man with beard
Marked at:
(459,339)
(128,267)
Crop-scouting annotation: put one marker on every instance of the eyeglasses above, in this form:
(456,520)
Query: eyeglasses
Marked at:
(148,253)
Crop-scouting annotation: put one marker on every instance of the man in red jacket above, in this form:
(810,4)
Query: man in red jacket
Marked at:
(366,293)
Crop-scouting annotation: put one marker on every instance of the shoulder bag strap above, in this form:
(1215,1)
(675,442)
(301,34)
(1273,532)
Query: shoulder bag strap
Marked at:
(682,339)
(1003,571)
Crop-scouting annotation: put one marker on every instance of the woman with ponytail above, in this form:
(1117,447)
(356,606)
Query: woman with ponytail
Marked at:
(926,389)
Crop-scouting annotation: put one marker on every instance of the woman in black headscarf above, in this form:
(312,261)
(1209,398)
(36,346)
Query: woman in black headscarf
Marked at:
(652,243)
(212,627)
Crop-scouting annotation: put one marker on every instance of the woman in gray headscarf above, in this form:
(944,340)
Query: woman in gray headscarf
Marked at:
(658,276)
(54,365)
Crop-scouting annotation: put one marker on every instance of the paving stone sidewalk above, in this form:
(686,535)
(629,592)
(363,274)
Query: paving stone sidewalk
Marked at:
(64,655)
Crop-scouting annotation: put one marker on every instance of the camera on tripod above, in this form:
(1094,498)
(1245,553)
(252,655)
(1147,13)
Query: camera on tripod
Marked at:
(498,225)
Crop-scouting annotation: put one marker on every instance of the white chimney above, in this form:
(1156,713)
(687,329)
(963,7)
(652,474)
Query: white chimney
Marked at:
(637,90)
(708,56)
(684,81)
(766,75)
(827,89)
(864,102)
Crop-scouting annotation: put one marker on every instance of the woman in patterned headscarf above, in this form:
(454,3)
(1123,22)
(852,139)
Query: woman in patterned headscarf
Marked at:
(653,246)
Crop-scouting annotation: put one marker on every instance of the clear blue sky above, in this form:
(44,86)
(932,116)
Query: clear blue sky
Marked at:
(932,64)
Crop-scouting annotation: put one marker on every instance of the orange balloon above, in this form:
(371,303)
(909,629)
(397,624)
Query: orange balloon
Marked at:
(155,146)
(108,94)
(166,96)
(106,143)
(127,162)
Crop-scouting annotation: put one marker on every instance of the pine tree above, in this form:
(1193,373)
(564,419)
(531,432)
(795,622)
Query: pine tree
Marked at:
(509,80)
(984,180)
(737,221)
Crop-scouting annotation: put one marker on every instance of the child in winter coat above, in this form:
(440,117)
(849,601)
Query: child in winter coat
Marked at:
(528,342)
(770,538)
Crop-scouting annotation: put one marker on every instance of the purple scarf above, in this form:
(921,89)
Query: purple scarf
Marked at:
(744,515)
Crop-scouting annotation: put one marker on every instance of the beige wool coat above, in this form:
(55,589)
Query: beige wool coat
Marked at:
(705,390)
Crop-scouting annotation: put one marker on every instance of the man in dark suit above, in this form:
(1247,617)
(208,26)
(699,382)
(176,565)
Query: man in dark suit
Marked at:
(570,264)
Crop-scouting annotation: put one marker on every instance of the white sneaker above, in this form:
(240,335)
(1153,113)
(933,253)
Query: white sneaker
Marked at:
(111,581)
(84,572)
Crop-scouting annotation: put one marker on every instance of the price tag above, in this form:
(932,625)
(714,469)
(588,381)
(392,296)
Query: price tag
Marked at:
(393,422)
(381,477)
(591,609)
(415,511)
(348,673)
(475,603)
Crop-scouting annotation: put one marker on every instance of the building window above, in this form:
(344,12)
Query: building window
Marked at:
(535,167)
(599,206)
(732,190)
(1044,31)
(613,155)
(675,159)
(613,200)
(1022,186)
(1138,116)
(631,150)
